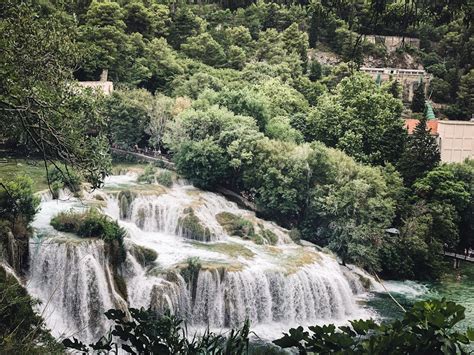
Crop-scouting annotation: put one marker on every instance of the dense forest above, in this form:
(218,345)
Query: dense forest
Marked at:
(232,93)
(233,97)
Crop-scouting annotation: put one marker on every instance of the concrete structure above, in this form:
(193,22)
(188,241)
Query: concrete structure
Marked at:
(392,43)
(408,78)
(107,87)
(456,140)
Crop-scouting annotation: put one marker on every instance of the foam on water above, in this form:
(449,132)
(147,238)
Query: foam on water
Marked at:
(274,286)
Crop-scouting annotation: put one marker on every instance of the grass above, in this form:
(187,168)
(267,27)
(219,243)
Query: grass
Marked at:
(33,168)
(231,249)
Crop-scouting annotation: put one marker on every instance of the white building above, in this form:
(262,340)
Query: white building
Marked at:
(456,140)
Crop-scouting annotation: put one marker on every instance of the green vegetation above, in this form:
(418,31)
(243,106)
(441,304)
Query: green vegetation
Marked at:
(235,225)
(233,94)
(18,207)
(21,329)
(89,224)
(33,168)
(41,110)
(192,228)
(58,179)
(148,175)
(425,329)
(93,224)
(165,178)
(149,333)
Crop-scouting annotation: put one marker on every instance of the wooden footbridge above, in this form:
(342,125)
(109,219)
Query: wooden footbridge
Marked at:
(458,257)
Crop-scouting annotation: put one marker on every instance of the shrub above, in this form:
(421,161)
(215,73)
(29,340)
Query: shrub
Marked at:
(165,178)
(89,224)
(149,333)
(148,175)
(428,328)
(22,331)
(270,237)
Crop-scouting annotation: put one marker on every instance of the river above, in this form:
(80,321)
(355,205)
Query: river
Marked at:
(453,289)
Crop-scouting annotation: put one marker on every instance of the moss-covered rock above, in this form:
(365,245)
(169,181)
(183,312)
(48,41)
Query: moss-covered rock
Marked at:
(144,255)
(93,224)
(236,225)
(120,285)
(270,237)
(125,199)
(192,228)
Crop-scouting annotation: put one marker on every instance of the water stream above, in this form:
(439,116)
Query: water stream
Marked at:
(275,286)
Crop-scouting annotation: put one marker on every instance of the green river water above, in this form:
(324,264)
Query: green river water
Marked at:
(453,288)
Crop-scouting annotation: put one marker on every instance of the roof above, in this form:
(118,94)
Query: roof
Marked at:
(411,123)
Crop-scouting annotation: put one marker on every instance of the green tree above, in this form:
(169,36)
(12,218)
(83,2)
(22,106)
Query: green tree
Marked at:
(184,24)
(418,101)
(163,63)
(296,41)
(128,114)
(421,154)
(40,107)
(204,48)
(466,93)
(371,133)
(160,114)
(315,70)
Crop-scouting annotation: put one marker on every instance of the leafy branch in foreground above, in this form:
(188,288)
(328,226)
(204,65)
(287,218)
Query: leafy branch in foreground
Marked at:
(144,332)
(428,328)
(41,110)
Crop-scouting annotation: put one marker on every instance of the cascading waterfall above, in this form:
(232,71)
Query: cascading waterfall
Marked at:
(236,279)
(73,279)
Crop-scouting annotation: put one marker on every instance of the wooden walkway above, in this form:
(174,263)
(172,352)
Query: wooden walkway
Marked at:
(166,163)
(231,195)
(457,256)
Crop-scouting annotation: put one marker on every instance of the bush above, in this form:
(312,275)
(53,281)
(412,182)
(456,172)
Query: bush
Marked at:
(428,328)
(165,178)
(89,224)
(149,333)
(148,175)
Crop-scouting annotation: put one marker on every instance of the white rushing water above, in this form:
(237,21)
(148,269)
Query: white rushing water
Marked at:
(275,286)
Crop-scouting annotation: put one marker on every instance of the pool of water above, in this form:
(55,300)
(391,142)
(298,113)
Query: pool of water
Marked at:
(457,286)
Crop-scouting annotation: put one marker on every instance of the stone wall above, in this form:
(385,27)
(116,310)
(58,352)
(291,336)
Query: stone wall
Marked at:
(392,43)
(408,78)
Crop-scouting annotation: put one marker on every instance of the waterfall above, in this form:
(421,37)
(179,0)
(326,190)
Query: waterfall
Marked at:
(283,284)
(227,299)
(73,280)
